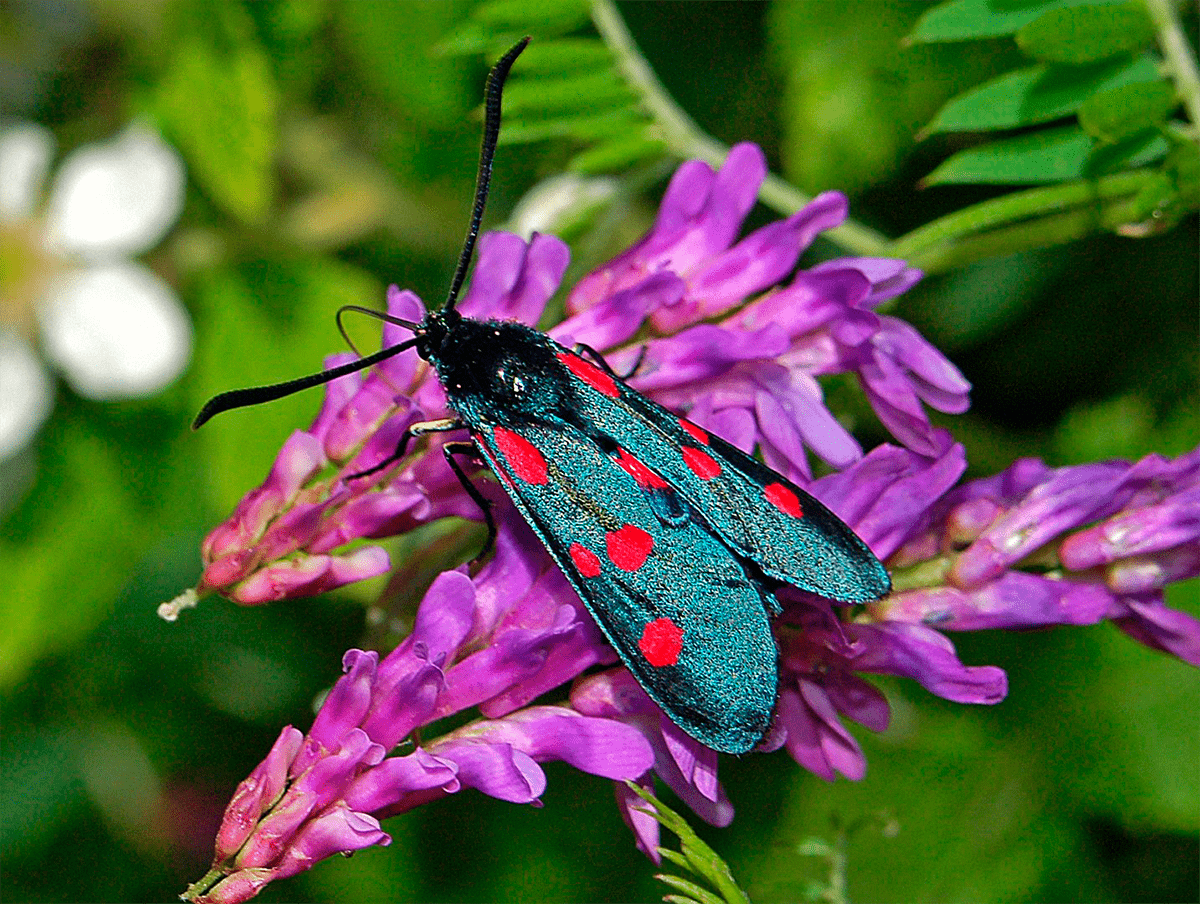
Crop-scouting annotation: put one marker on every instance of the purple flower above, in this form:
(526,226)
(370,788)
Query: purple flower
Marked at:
(718,330)
(750,377)
(494,642)
(1036,546)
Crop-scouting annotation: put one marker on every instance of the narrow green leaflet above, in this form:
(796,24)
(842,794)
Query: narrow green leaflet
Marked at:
(1050,155)
(220,108)
(495,26)
(695,856)
(1084,34)
(617,154)
(587,127)
(565,55)
(967,20)
(1037,94)
(1123,112)
(593,91)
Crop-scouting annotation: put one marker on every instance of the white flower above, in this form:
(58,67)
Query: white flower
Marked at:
(112,326)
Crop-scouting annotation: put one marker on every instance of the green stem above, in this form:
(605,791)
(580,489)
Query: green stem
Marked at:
(839,861)
(1177,55)
(1039,217)
(687,140)
(204,884)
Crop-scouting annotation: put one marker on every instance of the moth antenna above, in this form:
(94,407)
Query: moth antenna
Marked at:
(491,132)
(370,312)
(256,395)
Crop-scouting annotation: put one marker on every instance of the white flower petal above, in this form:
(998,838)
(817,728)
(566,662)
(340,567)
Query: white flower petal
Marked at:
(25,153)
(27,396)
(116,331)
(116,198)
(559,202)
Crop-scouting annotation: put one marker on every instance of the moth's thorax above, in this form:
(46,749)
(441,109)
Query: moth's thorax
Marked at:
(495,370)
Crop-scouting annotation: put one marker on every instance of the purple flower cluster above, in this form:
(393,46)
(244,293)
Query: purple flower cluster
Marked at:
(749,377)
(716,335)
(1036,546)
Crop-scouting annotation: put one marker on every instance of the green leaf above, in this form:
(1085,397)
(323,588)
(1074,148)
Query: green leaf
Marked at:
(543,17)
(1037,94)
(701,859)
(577,93)
(618,154)
(588,127)
(1082,34)
(1144,147)
(1049,155)
(1122,112)
(692,893)
(220,109)
(966,20)
(565,55)
(472,38)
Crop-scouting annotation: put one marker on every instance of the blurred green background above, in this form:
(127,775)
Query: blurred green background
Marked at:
(329,153)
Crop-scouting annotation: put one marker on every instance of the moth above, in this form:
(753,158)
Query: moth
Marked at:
(674,539)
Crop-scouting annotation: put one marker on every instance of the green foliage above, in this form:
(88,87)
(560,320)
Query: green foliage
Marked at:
(567,88)
(1087,52)
(1122,112)
(694,856)
(219,102)
(1086,33)
(1097,63)
(1037,94)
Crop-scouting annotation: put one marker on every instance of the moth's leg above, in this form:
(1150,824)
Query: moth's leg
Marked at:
(586,350)
(415,430)
(460,447)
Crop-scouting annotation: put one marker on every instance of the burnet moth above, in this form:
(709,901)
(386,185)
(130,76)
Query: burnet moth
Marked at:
(673,538)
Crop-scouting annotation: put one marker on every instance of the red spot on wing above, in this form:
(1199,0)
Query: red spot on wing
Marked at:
(585,560)
(783,499)
(526,462)
(702,464)
(661,642)
(590,374)
(645,478)
(628,547)
(699,434)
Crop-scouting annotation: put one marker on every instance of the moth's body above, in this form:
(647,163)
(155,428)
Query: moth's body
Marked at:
(666,532)
(673,538)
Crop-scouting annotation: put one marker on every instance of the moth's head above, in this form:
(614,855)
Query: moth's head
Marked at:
(435,332)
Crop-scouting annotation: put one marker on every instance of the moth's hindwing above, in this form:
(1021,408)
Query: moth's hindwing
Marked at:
(680,608)
(766,518)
